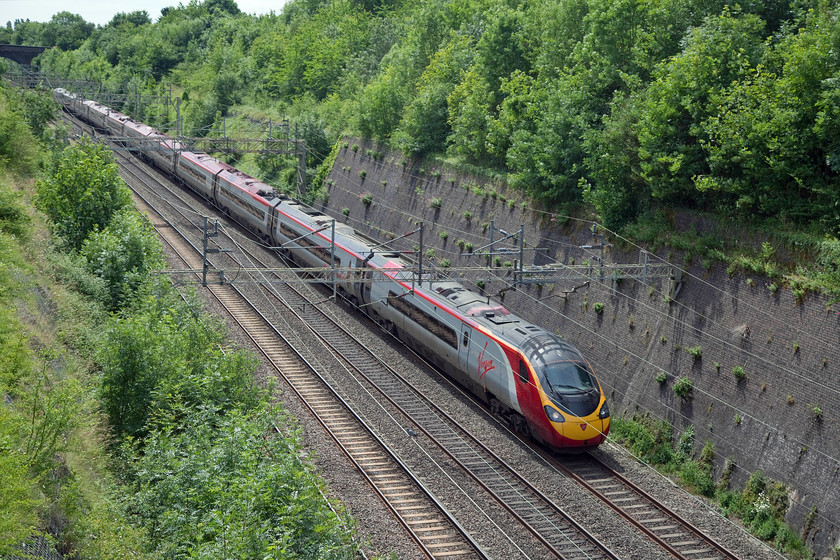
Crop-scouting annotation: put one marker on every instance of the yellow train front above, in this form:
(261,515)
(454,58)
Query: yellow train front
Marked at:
(562,399)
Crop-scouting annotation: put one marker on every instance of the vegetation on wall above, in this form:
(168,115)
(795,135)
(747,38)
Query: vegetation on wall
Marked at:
(762,504)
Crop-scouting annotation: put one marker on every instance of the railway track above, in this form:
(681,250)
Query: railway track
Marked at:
(650,516)
(557,531)
(433,529)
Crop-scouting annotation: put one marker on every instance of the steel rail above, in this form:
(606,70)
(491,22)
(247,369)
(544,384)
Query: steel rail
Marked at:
(436,532)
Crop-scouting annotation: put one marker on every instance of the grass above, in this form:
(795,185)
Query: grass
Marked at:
(804,261)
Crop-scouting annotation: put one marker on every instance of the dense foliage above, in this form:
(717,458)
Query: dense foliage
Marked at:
(625,104)
(208,478)
(83,192)
(761,505)
(196,468)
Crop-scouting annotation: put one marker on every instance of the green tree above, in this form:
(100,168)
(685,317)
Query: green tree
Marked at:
(766,149)
(122,254)
(211,486)
(424,127)
(39,110)
(83,192)
(161,357)
(134,19)
(18,146)
(683,94)
(66,31)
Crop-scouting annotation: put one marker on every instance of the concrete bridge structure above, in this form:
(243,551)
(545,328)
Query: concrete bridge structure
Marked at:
(21,54)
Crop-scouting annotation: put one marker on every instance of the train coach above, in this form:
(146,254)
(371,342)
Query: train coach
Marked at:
(542,385)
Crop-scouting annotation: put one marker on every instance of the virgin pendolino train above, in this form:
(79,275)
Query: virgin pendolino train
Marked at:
(538,382)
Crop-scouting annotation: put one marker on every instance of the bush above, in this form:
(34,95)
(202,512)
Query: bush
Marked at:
(695,352)
(224,486)
(161,356)
(123,254)
(83,193)
(683,387)
(18,146)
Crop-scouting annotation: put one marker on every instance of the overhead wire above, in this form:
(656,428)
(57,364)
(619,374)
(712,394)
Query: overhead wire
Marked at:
(636,301)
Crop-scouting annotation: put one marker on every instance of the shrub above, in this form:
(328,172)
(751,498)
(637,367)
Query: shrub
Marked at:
(122,255)
(445,263)
(739,373)
(683,387)
(444,235)
(598,307)
(83,193)
(467,215)
(695,352)
(435,202)
(345,211)
(366,198)
(661,377)
(362,173)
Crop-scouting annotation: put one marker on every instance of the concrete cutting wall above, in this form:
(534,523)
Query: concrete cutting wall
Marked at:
(781,418)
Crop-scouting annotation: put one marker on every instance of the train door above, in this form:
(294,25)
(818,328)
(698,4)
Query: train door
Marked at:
(361,284)
(464,352)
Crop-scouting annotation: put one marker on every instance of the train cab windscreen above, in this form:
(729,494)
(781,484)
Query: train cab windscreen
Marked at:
(565,374)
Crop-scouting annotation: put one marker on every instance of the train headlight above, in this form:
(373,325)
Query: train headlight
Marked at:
(605,411)
(554,415)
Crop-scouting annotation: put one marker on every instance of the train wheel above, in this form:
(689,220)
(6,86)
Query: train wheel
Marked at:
(520,425)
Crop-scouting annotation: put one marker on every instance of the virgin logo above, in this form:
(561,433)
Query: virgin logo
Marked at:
(484,364)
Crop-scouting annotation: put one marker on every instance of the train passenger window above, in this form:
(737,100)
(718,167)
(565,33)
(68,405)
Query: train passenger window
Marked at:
(426,321)
(523,372)
(466,338)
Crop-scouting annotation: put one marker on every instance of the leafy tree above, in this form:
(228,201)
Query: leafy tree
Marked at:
(122,254)
(723,50)
(612,183)
(469,106)
(381,104)
(161,356)
(39,109)
(18,147)
(83,192)
(765,147)
(134,19)
(425,127)
(209,486)
(66,31)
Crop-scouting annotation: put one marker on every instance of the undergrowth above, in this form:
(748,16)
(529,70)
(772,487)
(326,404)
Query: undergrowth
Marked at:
(761,505)
(768,250)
